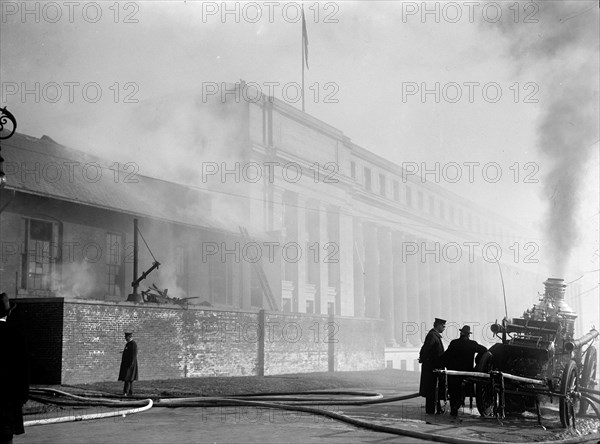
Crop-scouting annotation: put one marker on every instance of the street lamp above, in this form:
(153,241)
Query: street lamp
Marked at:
(5,117)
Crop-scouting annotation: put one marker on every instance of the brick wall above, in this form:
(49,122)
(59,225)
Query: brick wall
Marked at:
(360,346)
(295,343)
(174,342)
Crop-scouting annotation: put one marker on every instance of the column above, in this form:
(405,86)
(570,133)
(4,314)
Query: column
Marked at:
(411,331)
(301,264)
(424,276)
(347,256)
(371,271)
(290,236)
(400,290)
(471,313)
(485,304)
(321,240)
(463,285)
(386,283)
(331,251)
(449,290)
(438,305)
(358,268)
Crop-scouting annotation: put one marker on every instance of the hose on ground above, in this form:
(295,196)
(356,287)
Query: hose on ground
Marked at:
(89,416)
(281,404)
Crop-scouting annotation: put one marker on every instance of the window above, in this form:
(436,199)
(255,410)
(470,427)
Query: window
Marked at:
(431,205)
(367,179)
(310,306)
(353,169)
(460,217)
(286,305)
(420,200)
(38,264)
(113,264)
(330,308)
(396,191)
(451,211)
(382,185)
(469,222)
(409,196)
(442,211)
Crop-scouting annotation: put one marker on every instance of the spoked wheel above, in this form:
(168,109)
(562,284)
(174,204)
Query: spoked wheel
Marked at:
(588,377)
(484,391)
(569,382)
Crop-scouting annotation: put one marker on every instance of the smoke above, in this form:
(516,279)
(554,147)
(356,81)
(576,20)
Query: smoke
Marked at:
(562,51)
(77,280)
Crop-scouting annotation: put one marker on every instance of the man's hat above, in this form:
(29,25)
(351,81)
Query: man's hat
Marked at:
(466,330)
(128,331)
(5,305)
(439,321)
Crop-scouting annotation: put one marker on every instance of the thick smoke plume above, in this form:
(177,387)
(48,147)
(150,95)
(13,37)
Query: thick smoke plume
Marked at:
(557,50)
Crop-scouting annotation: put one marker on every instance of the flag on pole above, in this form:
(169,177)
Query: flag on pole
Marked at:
(304,38)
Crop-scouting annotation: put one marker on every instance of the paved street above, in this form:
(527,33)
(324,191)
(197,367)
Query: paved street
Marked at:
(258,425)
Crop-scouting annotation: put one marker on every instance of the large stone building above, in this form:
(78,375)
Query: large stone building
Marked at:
(404,249)
(339,230)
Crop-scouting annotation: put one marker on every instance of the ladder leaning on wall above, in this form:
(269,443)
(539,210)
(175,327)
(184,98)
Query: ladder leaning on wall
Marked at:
(262,277)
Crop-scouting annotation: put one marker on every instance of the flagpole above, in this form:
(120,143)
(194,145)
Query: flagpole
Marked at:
(302,50)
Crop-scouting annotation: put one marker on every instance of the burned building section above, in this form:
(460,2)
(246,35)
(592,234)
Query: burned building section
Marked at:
(271,209)
(70,233)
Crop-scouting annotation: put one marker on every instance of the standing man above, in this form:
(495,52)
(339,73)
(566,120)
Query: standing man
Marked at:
(459,356)
(429,357)
(129,366)
(14,375)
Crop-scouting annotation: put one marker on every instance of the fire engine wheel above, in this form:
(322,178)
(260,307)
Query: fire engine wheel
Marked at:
(588,377)
(569,382)
(484,391)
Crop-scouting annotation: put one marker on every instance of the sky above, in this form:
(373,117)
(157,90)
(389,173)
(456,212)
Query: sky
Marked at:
(517,87)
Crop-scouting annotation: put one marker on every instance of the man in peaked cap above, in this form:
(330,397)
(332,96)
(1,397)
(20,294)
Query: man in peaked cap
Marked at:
(459,356)
(429,357)
(129,366)
(14,375)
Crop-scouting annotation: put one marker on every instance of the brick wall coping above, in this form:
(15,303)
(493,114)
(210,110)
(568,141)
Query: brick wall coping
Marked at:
(177,307)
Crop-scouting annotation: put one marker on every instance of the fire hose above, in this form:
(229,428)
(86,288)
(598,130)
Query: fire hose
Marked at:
(91,416)
(297,402)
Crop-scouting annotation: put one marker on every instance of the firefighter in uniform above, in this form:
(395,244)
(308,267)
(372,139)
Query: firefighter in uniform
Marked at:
(429,357)
(459,356)
(128,372)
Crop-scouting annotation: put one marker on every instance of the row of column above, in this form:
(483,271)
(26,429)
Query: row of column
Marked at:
(314,227)
(379,275)
(408,289)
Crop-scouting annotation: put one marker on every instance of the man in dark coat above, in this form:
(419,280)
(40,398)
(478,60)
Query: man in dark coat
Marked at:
(429,357)
(459,356)
(129,366)
(14,375)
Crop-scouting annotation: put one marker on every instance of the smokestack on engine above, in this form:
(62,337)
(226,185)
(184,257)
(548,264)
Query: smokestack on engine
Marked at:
(554,308)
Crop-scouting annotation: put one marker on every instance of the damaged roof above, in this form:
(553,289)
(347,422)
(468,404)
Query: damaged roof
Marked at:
(46,168)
